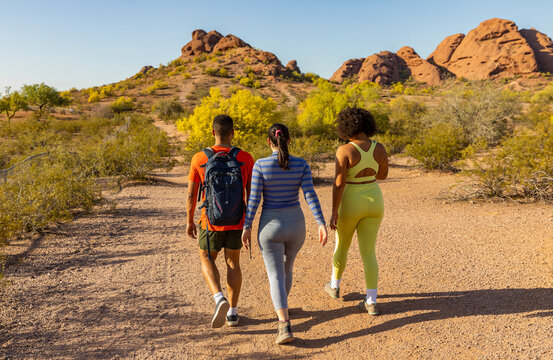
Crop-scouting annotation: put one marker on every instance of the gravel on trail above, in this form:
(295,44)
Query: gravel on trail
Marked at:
(457,280)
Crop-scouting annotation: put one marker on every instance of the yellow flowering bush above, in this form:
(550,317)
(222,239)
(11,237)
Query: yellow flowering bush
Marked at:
(252,115)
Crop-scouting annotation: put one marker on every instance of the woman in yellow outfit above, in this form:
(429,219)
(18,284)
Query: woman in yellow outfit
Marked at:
(357,200)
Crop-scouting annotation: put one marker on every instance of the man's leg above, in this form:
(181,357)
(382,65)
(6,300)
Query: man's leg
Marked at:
(209,269)
(234,275)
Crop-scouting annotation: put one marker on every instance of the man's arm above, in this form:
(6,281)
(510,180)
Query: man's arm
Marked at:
(191,207)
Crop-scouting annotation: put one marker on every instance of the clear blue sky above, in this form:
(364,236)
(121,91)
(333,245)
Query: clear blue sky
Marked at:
(83,43)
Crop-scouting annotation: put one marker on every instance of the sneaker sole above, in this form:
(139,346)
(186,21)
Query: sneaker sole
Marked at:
(232,323)
(220,315)
(285,341)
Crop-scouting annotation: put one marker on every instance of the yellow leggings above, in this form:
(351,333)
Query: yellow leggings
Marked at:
(361,209)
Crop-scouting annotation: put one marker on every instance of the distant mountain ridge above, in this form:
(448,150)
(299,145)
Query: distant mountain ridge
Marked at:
(494,49)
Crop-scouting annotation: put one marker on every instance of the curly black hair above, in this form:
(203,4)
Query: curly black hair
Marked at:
(353,121)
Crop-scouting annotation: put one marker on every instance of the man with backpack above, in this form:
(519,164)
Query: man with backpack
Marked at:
(221,176)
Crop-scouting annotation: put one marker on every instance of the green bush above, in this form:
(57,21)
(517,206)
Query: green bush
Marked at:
(48,189)
(223,72)
(318,112)
(211,71)
(169,109)
(544,96)
(94,97)
(158,84)
(250,82)
(252,117)
(186,75)
(438,147)
(483,111)
(122,104)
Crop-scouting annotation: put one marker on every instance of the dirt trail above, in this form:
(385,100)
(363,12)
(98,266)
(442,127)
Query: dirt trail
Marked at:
(457,280)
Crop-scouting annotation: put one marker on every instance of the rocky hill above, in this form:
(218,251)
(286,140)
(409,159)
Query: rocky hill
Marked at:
(494,49)
(208,60)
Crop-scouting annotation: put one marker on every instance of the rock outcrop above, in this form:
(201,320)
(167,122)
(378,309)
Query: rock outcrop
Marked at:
(293,66)
(145,69)
(387,67)
(242,55)
(419,69)
(381,68)
(542,46)
(494,49)
(212,41)
(349,68)
(445,49)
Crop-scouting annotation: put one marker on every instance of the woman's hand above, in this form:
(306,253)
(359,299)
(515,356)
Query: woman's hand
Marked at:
(247,238)
(323,234)
(334,221)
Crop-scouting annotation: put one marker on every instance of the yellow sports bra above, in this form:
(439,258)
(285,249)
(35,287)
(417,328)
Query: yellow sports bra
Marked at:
(367,161)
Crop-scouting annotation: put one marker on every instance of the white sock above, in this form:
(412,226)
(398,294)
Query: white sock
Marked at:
(232,311)
(335,283)
(371,296)
(218,296)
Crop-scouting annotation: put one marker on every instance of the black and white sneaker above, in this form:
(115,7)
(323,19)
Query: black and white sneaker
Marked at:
(221,309)
(232,320)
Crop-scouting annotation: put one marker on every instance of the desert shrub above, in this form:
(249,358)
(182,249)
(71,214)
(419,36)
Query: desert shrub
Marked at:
(439,146)
(311,77)
(406,117)
(317,113)
(481,110)
(319,110)
(223,72)
(544,96)
(250,81)
(397,88)
(130,155)
(123,103)
(94,97)
(43,192)
(186,75)
(106,91)
(200,58)
(361,94)
(102,111)
(211,71)
(169,109)
(248,70)
(252,117)
(521,168)
(158,84)
(48,189)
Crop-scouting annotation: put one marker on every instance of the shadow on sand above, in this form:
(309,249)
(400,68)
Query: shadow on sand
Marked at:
(437,306)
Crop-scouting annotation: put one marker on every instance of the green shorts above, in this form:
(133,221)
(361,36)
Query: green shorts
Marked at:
(230,239)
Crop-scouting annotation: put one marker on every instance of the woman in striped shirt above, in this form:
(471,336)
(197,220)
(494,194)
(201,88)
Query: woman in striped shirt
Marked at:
(281,233)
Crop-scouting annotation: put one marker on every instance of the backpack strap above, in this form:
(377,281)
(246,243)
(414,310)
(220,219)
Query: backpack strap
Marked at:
(209,152)
(234,151)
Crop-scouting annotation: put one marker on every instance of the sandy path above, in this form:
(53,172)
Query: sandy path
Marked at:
(457,281)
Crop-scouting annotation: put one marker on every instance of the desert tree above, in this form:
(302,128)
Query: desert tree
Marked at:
(12,102)
(42,97)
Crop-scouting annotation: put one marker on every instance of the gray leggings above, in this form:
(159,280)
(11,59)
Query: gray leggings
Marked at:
(281,236)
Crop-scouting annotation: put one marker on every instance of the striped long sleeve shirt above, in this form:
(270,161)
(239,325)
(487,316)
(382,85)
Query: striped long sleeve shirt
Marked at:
(280,188)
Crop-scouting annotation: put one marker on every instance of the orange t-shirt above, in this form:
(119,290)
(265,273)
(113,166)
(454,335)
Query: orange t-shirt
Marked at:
(197,174)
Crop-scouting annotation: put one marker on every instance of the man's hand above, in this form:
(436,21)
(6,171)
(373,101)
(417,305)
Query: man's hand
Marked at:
(191,230)
(247,238)
(323,235)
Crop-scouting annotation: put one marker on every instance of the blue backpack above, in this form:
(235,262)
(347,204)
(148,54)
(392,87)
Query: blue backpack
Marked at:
(223,189)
